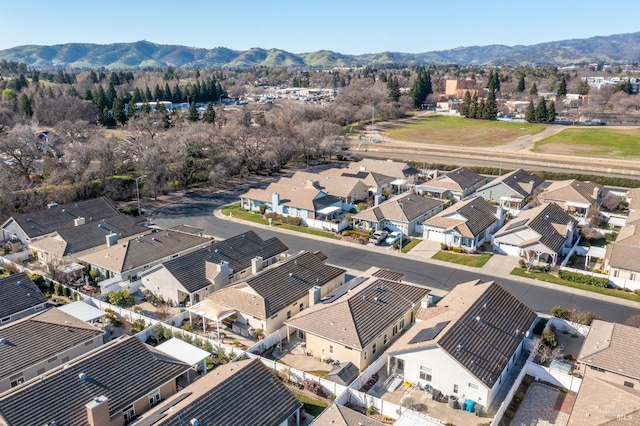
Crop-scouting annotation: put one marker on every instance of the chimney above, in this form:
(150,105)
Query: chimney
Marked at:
(78,221)
(596,191)
(376,200)
(275,200)
(314,295)
(256,264)
(363,169)
(217,273)
(98,412)
(500,215)
(310,185)
(112,239)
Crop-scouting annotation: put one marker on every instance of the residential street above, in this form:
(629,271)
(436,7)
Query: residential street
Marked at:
(198,210)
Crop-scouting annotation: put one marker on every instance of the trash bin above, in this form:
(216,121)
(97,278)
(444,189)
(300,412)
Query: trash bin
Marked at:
(470,404)
(478,411)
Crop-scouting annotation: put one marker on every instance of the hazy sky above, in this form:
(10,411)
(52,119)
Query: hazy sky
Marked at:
(297,26)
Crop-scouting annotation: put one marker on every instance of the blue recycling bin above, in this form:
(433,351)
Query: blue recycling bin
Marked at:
(469,405)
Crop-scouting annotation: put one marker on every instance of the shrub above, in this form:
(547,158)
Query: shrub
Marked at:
(93,274)
(519,396)
(121,298)
(371,410)
(510,414)
(560,312)
(540,325)
(66,291)
(312,386)
(583,279)
(585,318)
(207,346)
(166,333)
(187,327)
(637,291)
(289,220)
(139,325)
(37,279)
(549,337)
(263,209)
(75,295)
(59,289)
(137,309)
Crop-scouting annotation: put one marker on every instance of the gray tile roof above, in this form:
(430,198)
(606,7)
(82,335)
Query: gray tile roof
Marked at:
(83,237)
(464,177)
(613,347)
(521,182)
(408,207)
(280,285)
(124,371)
(488,333)
(18,293)
(187,229)
(358,318)
(242,393)
(388,275)
(189,269)
(477,212)
(339,415)
(38,337)
(44,222)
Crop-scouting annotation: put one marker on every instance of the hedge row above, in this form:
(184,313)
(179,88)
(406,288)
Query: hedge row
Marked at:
(583,279)
(289,220)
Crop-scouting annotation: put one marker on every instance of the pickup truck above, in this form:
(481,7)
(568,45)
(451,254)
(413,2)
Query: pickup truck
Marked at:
(378,237)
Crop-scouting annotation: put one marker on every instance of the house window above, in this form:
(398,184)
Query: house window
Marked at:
(473,386)
(5,319)
(301,307)
(384,341)
(365,354)
(275,316)
(395,330)
(154,397)
(16,380)
(401,323)
(425,374)
(601,370)
(615,273)
(374,348)
(288,314)
(129,413)
(633,277)
(628,384)
(455,388)
(330,349)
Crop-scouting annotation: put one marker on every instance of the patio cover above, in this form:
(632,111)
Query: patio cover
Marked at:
(329,210)
(183,351)
(70,268)
(399,182)
(411,418)
(598,252)
(83,311)
(211,310)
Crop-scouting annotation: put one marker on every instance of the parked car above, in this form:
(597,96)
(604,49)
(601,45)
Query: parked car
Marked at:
(393,237)
(378,237)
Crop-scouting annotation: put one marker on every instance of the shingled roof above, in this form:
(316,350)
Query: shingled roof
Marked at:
(124,371)
(62,217)
(371,179)
(520,181)
(339,415)
(406,207)
(481,326)
(469,218)
(238,251)
(338,185)
(356,318)
(459,179)
(624,252)
(38,337)
(307,197)
(612,347)
(572,190)
(18,293)
(242,393)
(394,169)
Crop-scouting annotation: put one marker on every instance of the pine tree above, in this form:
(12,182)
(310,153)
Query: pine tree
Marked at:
(530,114)
(148,97)
(118,111)
(562,88)
(520,87)
(111,94)
(168,96)
(493,84)
(473,107)
(491,107)
(194,115)
(466,104)
(137,95)
(551,112)
(209,115)
(541,111)
(24,104)
(481,110)
(534,90)
(146,108)
(158,95)
(394,88)
(421,89)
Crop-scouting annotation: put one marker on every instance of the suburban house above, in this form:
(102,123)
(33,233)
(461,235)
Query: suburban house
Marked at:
(311,204)
(349,189)
(268,298)
(67,245)
(622,258)
(576,197)
(29,226)
(546,231)
(394,169)
(339,415)
(404,213)
(376,182)
(459,183)
(633,198)
(511,191)
(108,386)
(611,376)
(19,297)
(467,224)
(466,345)
(200,273)
(127,260)
(36,344)
(358,322)
(241,393)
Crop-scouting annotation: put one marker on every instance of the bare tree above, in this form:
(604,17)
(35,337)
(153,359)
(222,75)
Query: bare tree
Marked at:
(529,258)
(633,321)
(22,146)
(546,353)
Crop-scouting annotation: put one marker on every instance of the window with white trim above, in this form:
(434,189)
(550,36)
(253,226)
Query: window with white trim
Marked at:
(129,413)
(474,386)
(374,348)
(455,388)
(330,349)
(154,397)
(395,330)
(16,380)
(425,374)
(384,341)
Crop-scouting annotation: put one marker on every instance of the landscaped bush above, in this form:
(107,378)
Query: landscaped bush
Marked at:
(289,220)
(312,386)
(550,339)
(583,279)
(636,292)
(560,312)
(121,298)
(585,318)
(539,327)
(139,325)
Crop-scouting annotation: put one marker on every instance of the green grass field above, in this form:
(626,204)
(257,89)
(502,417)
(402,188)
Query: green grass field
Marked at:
(598,142)
(457,131)
(474,260)
(311,406)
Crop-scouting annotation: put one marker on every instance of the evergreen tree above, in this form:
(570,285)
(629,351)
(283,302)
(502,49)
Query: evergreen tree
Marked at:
(551,112)
(541,111)
(473,106)
(530,114)
(119,116)
(146,108)
(421,89)
(562,88)
(534,90)
(481,110)
(194,115)
(148,97)
(209,115)
(177,94)
(491,107)
(92,77)
(24,104)
(114,79)
(107,118)
(111,94)
(137,95)
(99,97)
(158,95)
(520,87)
(394,88)
(493,83)
(168,96)
(466,104)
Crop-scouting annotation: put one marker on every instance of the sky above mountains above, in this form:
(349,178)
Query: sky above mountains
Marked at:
(350,27)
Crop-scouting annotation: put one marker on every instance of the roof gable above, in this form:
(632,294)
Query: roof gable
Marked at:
(18,293)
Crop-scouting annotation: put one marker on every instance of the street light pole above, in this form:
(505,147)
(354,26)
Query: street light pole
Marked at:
(138,192)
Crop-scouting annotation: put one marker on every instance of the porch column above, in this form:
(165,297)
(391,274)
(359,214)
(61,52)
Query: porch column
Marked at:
(190,319)
(388,365)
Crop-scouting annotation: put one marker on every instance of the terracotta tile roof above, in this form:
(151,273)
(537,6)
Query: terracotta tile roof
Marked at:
(241,393)
(613,347)
(18,293)
(339,415)
(484,325)
(469,218)
(571,190)
(144,250)
(625,251)
(358,316)
(123,370)
(408,207)
(27,341)
(273,289)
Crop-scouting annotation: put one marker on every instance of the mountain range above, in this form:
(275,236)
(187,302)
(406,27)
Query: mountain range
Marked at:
(620,48)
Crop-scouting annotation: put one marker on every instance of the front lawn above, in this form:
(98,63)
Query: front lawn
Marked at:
(411,244)
(236,211)
(310,405)
(547,277)
(474,260)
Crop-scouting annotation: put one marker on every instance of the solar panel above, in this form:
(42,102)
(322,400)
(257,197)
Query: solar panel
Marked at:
(429,333)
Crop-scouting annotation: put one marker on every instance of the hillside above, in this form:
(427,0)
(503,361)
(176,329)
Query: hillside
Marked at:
(621,48)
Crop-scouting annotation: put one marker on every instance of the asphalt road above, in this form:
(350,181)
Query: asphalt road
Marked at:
(197,210)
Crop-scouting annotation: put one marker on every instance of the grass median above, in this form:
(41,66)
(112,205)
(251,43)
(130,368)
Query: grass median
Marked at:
(550,278)
(474,260)
(235,211)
